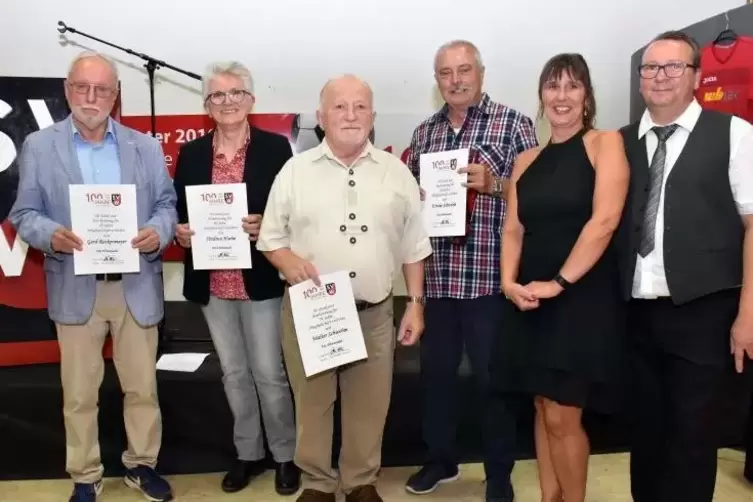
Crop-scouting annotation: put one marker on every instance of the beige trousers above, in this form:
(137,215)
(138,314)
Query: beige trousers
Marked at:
(365,388)
(82,370)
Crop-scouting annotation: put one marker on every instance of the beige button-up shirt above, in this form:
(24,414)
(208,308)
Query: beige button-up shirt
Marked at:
(364,218)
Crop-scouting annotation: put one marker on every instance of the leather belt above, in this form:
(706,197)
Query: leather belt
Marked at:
(110,277)
(363,305)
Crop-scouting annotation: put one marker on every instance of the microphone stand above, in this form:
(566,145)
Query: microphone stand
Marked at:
(151,65)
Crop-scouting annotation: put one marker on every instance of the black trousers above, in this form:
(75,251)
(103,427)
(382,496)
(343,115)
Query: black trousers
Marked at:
(680,358)
(452,326)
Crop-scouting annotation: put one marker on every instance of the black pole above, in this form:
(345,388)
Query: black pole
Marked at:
(151,65)
(150,68)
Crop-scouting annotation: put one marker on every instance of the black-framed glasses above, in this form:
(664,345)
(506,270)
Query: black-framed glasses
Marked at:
(233,95)
(101,91)
(671,70)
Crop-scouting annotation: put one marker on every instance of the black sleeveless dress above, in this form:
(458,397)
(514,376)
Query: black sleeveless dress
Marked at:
(571,349)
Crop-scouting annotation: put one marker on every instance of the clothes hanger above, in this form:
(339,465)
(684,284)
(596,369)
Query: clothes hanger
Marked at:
(727,34)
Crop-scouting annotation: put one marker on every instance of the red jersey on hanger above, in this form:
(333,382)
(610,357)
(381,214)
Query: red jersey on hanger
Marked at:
(727,77)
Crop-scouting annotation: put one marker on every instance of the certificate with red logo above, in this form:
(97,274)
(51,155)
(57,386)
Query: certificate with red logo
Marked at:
(104,217)
(445,195)
(215,214)
(326,323)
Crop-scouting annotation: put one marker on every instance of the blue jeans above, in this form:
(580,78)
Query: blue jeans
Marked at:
(246,336)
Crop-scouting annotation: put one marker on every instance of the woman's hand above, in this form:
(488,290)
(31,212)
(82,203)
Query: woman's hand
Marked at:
(543,290)
(521,296)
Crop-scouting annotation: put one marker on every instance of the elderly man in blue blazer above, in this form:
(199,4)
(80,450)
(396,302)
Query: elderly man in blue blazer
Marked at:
(90,148)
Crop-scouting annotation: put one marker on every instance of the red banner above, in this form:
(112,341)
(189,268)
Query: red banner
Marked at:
(173,131)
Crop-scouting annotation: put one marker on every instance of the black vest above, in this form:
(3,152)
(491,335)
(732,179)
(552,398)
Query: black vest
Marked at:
(703,231)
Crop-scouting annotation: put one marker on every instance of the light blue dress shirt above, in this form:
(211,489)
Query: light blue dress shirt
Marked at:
(99,162)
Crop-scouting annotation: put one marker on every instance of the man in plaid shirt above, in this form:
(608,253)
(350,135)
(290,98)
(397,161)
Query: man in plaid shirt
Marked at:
(462,276)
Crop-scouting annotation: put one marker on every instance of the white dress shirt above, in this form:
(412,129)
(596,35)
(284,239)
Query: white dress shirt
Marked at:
(650,280)
(364,218)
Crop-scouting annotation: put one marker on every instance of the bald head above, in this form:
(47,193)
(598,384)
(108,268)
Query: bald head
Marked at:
(346,113)
(345,84)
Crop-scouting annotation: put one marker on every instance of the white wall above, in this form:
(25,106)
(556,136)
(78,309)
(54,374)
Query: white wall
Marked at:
(293,46)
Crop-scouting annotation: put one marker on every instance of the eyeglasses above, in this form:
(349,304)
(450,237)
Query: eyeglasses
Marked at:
(671,70)
(233,95)
(101,91)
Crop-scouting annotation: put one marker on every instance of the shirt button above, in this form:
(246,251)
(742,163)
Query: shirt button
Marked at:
(350,171)
(352,183)
(342,228)
(352,216)
(352,275)
(364,228)
(352,240)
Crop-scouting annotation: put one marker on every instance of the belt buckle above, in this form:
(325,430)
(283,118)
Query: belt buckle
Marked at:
(109,277)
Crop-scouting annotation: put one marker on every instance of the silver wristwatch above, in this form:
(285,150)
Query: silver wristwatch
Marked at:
(497,187)
(417,299)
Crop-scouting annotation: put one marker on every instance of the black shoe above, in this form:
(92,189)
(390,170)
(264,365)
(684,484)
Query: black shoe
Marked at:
(240,475)
(430,477)
(287,478)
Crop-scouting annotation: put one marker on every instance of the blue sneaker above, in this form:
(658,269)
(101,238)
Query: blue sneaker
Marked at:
(147,481)
(86,492)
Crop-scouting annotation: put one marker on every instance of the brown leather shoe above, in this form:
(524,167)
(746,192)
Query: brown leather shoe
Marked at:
(365,493)
(309,495)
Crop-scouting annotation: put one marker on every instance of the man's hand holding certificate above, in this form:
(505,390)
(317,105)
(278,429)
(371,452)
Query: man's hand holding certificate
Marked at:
(326,323)
(104,218)
(444,192)
(216,215)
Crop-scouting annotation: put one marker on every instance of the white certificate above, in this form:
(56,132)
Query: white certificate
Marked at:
(326,323)
(444,194)
(215,214)
(104,218)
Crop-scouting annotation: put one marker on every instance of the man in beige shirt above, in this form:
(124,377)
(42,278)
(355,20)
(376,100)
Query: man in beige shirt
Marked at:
(345,205)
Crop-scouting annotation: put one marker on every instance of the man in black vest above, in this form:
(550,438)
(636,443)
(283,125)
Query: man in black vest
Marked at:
(687,267)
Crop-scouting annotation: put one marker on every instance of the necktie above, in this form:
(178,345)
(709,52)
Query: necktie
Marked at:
(655,182)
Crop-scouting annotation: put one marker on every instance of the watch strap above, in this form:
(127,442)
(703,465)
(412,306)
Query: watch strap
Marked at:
(562,281)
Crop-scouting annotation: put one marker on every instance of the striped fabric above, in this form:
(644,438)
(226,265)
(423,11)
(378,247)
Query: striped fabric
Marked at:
(495,134)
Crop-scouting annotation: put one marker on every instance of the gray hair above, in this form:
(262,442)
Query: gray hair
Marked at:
(91,54)
(459,43)
(233,68)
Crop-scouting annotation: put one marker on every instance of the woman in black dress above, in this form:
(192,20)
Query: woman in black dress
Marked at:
(564,342)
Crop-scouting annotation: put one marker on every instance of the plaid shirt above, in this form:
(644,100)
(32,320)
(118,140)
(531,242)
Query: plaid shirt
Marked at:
(495,135)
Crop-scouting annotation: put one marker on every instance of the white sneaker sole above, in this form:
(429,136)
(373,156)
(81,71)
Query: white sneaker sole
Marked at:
(440,482)
(135,485)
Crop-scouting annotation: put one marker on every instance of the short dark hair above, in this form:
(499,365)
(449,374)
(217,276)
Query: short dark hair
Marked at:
(575,65)
(680,36)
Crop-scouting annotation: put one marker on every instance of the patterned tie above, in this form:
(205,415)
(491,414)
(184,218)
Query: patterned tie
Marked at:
(656,181)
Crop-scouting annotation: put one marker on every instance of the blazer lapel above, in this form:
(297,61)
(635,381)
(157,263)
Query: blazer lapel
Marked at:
(67,152)
(204,164)
(127,154)
(253,187)
(639,172)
